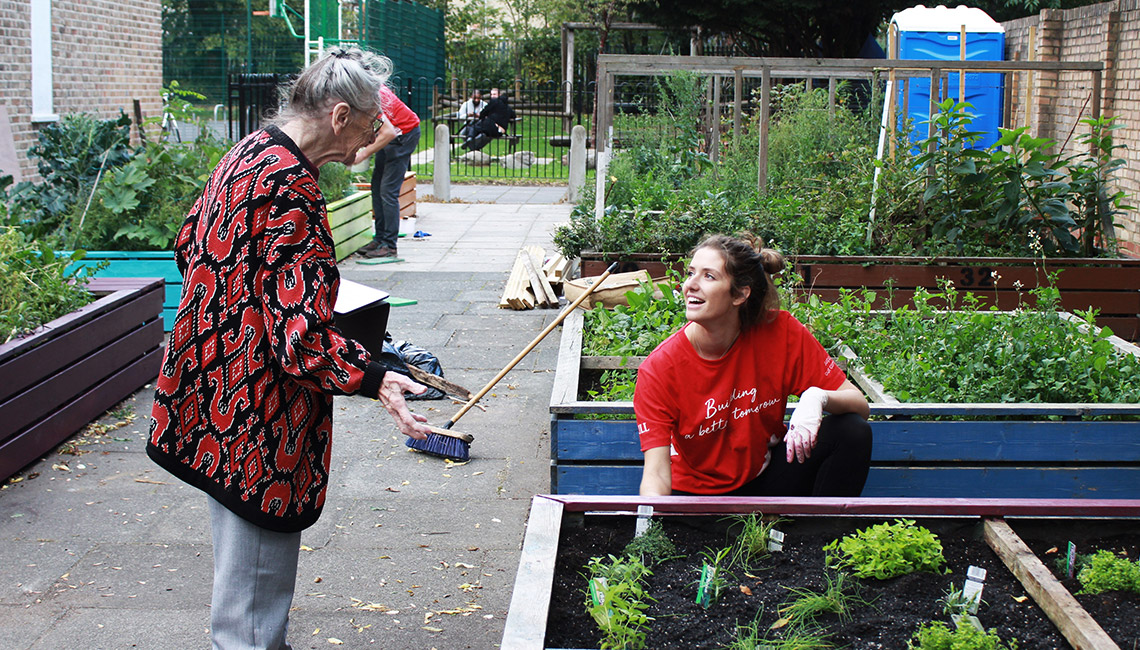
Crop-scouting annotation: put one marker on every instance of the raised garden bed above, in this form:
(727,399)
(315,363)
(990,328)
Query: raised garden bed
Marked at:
(548,604)
(1109,285)
(56,380)
(1011,453)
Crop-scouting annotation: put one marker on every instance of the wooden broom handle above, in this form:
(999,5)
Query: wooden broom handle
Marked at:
(538,339)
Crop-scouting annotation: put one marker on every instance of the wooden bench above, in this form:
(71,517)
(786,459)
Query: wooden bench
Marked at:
(1008,451)
(512,137)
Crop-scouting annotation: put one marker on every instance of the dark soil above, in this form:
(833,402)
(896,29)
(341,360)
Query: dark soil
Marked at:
(1118,613)
(896,609)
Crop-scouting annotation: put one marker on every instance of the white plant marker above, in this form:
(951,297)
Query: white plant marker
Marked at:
(775,540)
(972,590)
(644,513)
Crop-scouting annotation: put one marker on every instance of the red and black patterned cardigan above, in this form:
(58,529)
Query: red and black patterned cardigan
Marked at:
(243,405)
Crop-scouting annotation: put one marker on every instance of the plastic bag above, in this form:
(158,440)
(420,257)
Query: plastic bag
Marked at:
(413,355)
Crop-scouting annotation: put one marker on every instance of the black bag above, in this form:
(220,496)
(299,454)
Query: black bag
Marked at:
(413,355)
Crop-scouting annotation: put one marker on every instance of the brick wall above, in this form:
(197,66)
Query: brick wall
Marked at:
(1108,32)
(105,54)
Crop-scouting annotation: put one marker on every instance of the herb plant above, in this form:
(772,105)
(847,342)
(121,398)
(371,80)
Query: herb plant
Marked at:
(939,636)
(751,637)
(616,599)
(887,550)
(712,580)
(752,542)
(1105,571)
(653,546)
(839,596)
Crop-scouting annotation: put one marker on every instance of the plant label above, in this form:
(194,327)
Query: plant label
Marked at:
(708,573)
(598,591)
(775,540)
(643,515)
(1071,560)
(972,590)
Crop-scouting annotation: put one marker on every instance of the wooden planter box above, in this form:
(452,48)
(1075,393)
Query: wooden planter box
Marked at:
(1009,453)
(73,369)
(1111,286)
(350,220)
(526,623)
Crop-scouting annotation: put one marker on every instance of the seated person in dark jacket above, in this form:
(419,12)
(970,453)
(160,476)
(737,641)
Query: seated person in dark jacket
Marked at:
(493,121)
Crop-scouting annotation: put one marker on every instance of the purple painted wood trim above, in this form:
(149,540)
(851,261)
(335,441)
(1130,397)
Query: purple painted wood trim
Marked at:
(859,506)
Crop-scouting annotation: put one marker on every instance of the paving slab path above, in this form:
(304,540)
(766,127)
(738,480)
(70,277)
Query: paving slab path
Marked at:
(103,549)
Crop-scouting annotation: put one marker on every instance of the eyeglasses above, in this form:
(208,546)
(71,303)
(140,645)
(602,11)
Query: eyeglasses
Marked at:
(377,124)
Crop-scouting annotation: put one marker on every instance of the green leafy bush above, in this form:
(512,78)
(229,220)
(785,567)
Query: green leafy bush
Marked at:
(948,347)
(653,546)
(887,550)
(940,636)
(36,285)
(654,312)
(1105,571)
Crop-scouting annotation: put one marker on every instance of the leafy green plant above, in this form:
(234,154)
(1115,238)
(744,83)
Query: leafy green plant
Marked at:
(636,329)
(71,153)
(615,386)
(948,347)
(36,285)
(653,546)
(940,636)
(839,596)
(1094,203)
(887,550)
(615,599)
(1105,571)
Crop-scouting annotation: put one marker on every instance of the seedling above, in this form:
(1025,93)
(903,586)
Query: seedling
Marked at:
(712,580)
(887,550)
(755,538)
(750,637)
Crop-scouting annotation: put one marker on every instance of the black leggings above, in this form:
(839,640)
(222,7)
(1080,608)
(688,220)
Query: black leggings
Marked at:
(837,467)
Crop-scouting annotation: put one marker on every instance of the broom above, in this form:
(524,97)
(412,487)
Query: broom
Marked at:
(444,442)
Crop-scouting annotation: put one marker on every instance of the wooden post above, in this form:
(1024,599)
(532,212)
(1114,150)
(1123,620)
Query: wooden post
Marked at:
(1096,84)
(892,80)
(831,96)
(962,57)
(568,78)
(139,120)
(765,99)
(714,120)
(737,106)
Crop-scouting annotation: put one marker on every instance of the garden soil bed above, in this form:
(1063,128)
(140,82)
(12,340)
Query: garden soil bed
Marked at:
(896,609)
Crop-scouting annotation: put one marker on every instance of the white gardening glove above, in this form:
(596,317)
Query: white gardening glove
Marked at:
(804,425)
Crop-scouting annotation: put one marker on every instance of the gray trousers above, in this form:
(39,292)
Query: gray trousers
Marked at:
(255,571)
(392,162)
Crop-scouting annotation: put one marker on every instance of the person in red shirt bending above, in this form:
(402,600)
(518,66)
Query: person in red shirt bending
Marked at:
(710,400)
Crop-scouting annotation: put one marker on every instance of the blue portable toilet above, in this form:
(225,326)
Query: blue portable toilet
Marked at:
(934,34)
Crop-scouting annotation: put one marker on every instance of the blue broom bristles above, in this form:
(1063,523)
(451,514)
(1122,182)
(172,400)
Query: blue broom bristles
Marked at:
(443,446)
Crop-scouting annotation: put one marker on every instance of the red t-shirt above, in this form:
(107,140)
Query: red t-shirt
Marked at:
(721,417)
(402,117)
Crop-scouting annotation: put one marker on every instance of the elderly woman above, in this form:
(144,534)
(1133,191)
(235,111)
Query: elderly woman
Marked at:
(710,400)
(243,405)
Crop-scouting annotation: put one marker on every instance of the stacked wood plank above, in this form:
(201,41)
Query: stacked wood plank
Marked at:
(408,195)
(529,284)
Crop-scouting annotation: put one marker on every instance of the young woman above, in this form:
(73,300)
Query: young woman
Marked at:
(710,400)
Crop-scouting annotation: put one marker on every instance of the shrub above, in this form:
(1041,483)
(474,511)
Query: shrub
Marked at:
(36,285)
